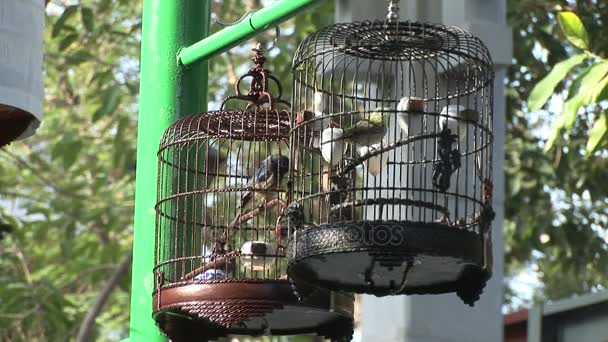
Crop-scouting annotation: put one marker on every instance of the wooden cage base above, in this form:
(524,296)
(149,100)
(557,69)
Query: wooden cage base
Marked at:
(390,258)
(204,312)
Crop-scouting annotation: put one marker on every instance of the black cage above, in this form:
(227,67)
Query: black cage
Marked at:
(392,160)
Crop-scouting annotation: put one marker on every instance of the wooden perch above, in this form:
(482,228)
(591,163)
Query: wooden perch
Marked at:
(388,201)
(352,164)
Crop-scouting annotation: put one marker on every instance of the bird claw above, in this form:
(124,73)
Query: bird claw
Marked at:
(444,220)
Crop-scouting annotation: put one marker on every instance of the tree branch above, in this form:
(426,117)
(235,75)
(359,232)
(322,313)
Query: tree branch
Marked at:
(38,173)
(86,327)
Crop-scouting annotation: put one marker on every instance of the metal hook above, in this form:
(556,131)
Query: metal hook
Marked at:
(393,10)
(275,41)
(248,14)
(245,15)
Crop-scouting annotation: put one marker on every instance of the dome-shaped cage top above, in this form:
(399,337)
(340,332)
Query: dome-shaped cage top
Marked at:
(354,52)
(239,124)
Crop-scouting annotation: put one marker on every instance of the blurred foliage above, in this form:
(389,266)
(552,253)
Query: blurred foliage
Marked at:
(66,194)
(556,205)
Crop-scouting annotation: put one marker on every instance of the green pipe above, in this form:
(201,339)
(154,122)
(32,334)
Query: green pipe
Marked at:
(167,92)
(233,35)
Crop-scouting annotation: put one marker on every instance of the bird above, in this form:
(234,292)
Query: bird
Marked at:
(410,116)
(373,164)
(368,131)
(450,115)
(266,180)
(303,116)
(332,145)
(449,118)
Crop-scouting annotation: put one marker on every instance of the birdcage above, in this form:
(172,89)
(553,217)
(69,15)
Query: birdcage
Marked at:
(392,159)
(220,266)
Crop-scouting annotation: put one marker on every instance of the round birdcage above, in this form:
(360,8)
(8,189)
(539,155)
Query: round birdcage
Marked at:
(391,150)
(220,265)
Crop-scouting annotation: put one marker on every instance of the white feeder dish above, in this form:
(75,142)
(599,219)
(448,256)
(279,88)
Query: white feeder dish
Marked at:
(258,255)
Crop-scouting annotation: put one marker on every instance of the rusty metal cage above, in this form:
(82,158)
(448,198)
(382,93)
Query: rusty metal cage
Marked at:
(220,266)
(392,159)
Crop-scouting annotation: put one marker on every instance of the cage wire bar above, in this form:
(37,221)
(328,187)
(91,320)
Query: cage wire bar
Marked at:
(391,159)
(168,91)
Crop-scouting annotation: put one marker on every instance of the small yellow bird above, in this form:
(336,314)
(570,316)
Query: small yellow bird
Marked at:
(367,132)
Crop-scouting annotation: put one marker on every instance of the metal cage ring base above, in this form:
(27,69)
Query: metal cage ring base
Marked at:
(209,311)
(390,258)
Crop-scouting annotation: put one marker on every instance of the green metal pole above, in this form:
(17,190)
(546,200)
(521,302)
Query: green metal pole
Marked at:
(251,26)
(168,91)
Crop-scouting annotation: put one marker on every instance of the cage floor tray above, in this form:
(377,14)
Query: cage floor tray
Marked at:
(389,258)
(199,312)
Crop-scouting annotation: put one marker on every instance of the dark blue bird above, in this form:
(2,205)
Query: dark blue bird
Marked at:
(264,184)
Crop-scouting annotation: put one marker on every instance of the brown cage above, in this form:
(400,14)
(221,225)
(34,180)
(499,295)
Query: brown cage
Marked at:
(220,266)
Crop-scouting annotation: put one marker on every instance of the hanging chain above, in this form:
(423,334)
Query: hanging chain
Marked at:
(393,11)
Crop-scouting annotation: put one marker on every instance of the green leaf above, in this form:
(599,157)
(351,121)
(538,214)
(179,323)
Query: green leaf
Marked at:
(104,5)
(591,80)
(67,149)
(597,132)
(572,27)
(67,41)
(600,92)
(555,132)
(109,102)
(571,107)
(70,153)
(79,57)
(544,89)
(88,20)
(59,24)
(565,120)
(584,89)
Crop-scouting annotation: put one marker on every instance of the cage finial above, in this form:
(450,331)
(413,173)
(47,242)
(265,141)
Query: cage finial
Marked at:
(259,94)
